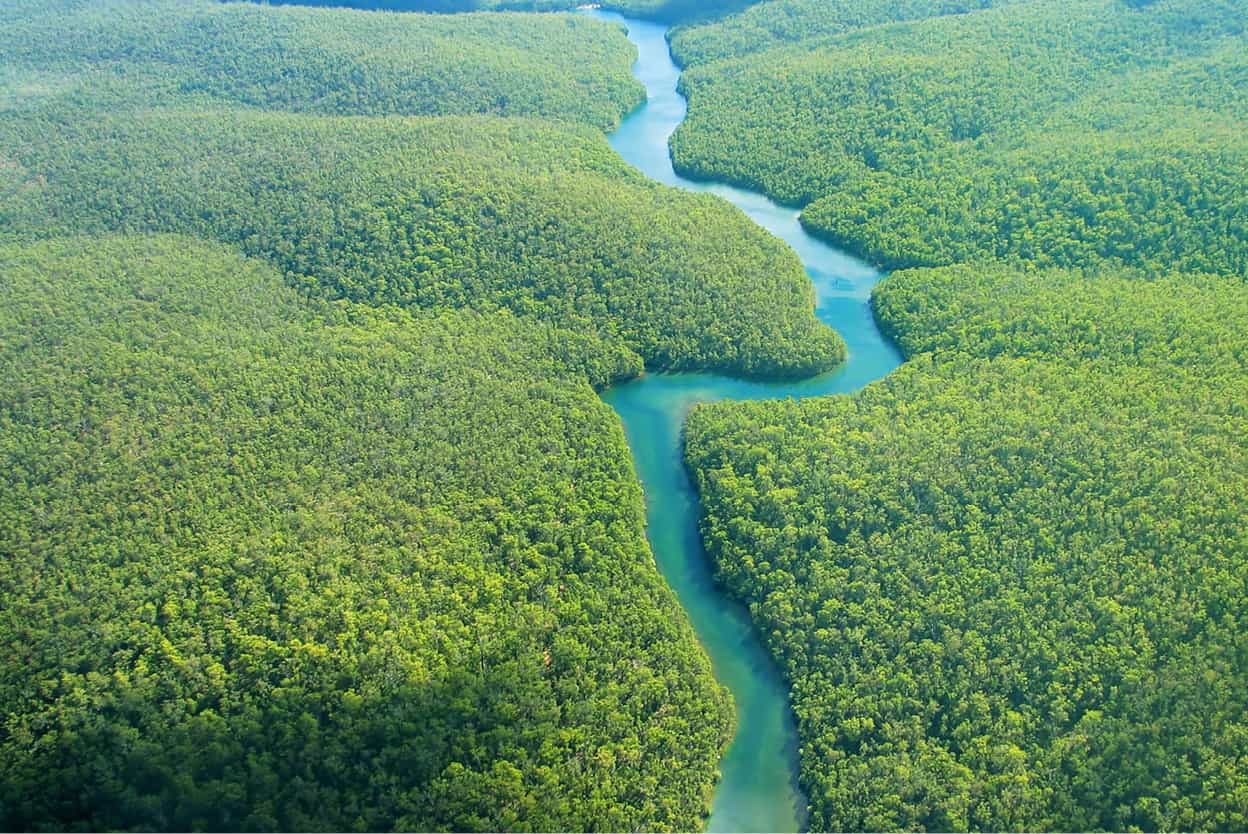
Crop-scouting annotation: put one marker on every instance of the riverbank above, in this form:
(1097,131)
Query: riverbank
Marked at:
(758,790)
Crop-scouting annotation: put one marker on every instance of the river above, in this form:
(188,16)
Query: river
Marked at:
(758,790)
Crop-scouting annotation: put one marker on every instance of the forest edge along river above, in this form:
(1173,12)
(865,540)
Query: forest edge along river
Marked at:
(758,790)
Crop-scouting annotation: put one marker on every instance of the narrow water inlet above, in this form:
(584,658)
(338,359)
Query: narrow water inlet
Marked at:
(758,790)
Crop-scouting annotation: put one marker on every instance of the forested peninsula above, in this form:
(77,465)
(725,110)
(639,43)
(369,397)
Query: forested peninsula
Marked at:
(482,213)
(274,563)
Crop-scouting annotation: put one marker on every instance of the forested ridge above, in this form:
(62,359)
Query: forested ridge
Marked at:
(772,23)
(1006,582)
(329,61)
(1059,132)
(482,213)
(145,115)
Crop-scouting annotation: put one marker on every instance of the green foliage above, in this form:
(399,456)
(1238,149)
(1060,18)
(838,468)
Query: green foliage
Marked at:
(329,61)
(1170,198)
(1172,323)
(666,10)
(677,11)
(1060,132)
(457,212)
(775,23)
(1007,581)
(436,6)
(279,565)
(340,537)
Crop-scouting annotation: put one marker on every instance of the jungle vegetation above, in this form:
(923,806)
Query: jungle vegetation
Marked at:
(773,23)
(1057,132)
(283,564)
(1006,582)
(328,61)
(311,517)
(668,11)
(473,212)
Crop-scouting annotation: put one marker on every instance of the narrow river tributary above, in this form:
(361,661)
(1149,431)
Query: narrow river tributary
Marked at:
(758,791)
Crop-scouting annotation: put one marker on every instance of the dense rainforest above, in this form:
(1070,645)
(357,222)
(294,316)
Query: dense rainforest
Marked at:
(1056,132)
(311,516)
(460,212)
(328,61)
(668,11)
(279,564)
(772,23)
(1007,582)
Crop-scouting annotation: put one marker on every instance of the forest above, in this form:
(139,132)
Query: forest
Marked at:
(311,514)
(276,563)
(667,11)
(312,517)
(481,213)
(1059,133)
(773,23)
(1006,582)
(328,61)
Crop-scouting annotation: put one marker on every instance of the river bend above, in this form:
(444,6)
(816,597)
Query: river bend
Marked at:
(758,790)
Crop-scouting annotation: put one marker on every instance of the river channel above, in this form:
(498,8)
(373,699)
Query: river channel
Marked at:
(758,790)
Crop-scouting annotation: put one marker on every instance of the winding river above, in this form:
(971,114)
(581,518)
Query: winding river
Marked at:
(758,791)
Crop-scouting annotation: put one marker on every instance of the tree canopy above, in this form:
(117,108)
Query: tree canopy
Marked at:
(669,11)
(1006,582)
(1058,132)
(328,61)
(311,517)
(436,213)
(773,23)
(273,563)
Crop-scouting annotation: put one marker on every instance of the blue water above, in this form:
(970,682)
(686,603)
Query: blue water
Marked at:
(758,790)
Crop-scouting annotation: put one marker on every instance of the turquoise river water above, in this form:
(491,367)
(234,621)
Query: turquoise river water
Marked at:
(758,790)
